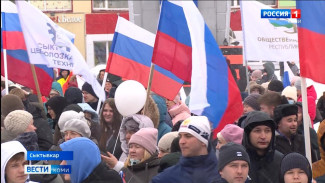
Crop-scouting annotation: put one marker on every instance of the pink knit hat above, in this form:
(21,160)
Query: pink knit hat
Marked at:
(147,138)
(232,133)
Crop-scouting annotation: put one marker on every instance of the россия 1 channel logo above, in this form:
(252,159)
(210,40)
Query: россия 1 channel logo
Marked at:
(280,13)
(48,169)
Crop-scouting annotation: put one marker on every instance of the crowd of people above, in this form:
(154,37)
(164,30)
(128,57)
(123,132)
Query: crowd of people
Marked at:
(164,142)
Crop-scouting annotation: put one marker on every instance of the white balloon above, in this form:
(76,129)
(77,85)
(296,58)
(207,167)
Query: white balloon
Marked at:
(130,97)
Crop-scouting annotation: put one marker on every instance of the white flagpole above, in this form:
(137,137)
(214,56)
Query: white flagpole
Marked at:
(306,118)
(5,63)
(244,48)
(102,87)
(6,70)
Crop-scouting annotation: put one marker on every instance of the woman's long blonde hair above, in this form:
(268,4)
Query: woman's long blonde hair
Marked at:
(146,156)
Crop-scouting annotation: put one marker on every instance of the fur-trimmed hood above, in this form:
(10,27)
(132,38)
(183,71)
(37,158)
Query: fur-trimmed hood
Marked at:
(142,120)
(319,166)
(152,111)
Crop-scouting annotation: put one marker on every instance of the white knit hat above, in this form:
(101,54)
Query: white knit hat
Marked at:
(78,126)
(290,92)
(16,122)
(198,126)
(67,115)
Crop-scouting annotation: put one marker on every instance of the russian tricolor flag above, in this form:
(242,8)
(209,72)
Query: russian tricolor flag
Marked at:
(130,57)
(185,45)
(12,39)
(287,75)
(311,38)
(173,48)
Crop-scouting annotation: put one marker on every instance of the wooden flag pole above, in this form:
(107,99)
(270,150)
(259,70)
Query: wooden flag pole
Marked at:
(36,84)
(152,69)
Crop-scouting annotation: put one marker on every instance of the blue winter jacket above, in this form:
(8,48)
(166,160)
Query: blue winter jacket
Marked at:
(163,127)
(191,170)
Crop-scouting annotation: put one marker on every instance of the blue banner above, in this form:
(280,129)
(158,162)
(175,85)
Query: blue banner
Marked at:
(275,13)
(50,155)
(47,169)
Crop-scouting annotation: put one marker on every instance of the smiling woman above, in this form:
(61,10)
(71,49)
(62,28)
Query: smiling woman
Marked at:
(142,163)
(110,122)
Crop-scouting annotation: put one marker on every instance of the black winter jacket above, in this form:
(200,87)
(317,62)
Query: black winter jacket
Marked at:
(142,172)
(102,174)
(263,169)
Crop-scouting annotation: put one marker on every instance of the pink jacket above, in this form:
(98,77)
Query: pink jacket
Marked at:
(179,112)
(311,99)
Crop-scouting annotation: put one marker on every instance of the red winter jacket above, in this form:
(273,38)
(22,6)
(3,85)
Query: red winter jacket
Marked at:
(311,99)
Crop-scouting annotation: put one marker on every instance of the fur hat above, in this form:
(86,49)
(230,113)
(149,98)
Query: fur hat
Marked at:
(77,125)
(261,89)
(166,141)
(88,88)
(16,122)
(232,133)
(147,138)
(295,160)
(10,103)
(231,152)
(284,110)
(198,126)
(252,101)
(290,92)
(275,85)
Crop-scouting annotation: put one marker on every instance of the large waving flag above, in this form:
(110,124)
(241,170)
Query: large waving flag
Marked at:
(12,39)
(311,37)
(287,75)
(173,48)
(49,44)
(267,39)
(130,58)
(214,93)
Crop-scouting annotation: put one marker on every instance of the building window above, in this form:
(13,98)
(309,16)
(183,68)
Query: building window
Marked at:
(101,51)
(110,5)
(98,47)
(236,4)
(268,2)
(50,5)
